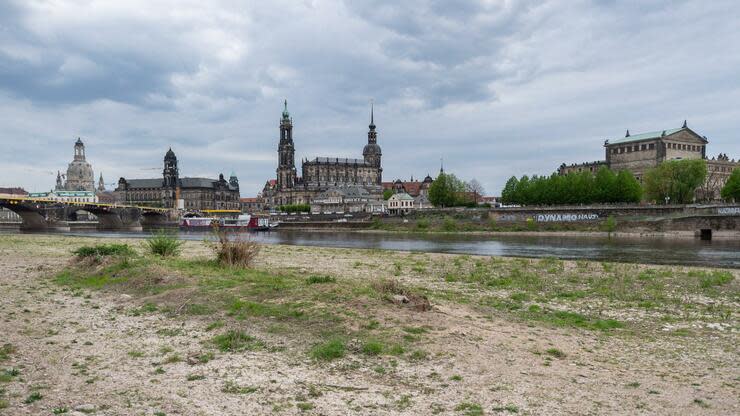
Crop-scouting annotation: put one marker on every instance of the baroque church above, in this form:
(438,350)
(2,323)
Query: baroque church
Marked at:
(79,176)
(172,191)
(322,173)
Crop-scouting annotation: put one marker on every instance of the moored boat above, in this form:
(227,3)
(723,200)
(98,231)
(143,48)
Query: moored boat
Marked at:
(243,222)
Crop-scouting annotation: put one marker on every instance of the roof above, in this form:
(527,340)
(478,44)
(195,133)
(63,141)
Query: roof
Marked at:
(648,136)
(197,182)
(13,191)
(338,160)
(402,196)
(145,183)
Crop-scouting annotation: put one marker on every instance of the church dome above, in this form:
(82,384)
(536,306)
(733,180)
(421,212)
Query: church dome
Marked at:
(428,179)
(371,149)
(80,176)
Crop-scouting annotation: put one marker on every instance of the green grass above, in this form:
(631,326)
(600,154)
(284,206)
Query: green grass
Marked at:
(373,347)
(163,243)
(236,341)
(6,351)
(329,350)
(554,352)
(316,279)
(33,397)
(101,250)
(469,409)
(232,387)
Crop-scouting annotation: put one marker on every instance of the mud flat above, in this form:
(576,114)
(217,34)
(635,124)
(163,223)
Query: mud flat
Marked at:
(336,331)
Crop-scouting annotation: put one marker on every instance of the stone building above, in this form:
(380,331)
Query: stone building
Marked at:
(639,152)
(321,173)
(172,191)
(79,176)
(338,199)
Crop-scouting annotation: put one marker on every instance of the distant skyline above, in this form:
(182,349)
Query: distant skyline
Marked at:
(496,88)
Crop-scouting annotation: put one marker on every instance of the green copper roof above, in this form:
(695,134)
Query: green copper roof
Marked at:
(644,136)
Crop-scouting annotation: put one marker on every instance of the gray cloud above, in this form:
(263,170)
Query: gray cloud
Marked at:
(496,88)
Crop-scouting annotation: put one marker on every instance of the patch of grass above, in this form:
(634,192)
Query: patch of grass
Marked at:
(373,347)
(571,319)
(244,308)
(235,341)
(232,387)
(163,243)
(554,352)
(469,409)
(33,397)
(101,250)
(712,279)
(235,250)
(215,325)
(6,351)
(404,402)
(59,410)
(633,385)
(456,377)
(135,354)
(195,377)
(414,330)
(329,350)
(316,279)
(304,406)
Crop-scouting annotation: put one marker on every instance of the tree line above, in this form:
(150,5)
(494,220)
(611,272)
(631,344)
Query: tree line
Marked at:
(673,181)
(573,188)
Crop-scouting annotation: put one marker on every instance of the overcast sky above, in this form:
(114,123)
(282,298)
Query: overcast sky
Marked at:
(496,88)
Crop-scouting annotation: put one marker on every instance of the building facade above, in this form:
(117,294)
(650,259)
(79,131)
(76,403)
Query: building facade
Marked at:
(321,173)
(347,199)
(172,191)
(412,187)
(79,176)
(640,152)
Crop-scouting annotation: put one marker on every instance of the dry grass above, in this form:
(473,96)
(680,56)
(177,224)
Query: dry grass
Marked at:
(235,249)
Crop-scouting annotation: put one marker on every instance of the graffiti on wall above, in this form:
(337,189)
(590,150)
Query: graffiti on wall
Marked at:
(729,211)
(566,217)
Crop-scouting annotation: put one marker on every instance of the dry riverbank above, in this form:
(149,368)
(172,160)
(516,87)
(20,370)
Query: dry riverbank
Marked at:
(316,331)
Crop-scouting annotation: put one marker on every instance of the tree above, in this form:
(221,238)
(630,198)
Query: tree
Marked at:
(605,183)
(387,194)
(676,180)
(476,188)
(445,191)
(627,188)
(508,194)
(731,190)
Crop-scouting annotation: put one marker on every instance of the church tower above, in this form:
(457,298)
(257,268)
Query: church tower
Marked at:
(286,172)
(372,152)
(101,184)
(170,172)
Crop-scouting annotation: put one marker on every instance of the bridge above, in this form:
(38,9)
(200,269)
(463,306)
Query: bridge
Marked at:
(43,214)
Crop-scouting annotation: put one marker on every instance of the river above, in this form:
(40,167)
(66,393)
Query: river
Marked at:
(677,251)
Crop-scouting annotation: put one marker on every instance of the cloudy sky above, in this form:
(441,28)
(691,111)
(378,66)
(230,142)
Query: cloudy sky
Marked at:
(496,88)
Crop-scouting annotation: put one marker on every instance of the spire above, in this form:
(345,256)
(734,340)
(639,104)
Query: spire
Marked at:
(684,125)
(286,114)
(372,116)
(441,166)
(628,133)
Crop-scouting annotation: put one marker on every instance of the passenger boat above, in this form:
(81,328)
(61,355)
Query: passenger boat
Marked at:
(243,222)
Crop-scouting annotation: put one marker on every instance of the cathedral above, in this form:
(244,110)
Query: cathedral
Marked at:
(79,175)
(321,173)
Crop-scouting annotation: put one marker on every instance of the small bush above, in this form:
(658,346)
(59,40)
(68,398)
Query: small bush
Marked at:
(449,225)
(312,280)
(234,341)
(33,397)
(422,224)
(234,249)
(372,348)
(164,244)
(329,350)
(610,225)
(101,250)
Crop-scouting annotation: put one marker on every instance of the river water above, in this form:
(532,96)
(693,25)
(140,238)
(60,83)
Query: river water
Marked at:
(679,251)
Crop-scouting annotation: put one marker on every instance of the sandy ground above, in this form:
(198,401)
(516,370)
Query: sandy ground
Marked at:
(85,356)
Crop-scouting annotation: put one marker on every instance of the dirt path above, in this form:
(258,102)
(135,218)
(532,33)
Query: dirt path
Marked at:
(86,353)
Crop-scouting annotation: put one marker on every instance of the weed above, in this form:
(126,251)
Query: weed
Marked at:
(163,243)
(701,403)
(59,410)
(33,397)
(304,406)
(102,250)
(311,280)
(215,325)
(456,377)
(329,350)
(554,352)
(404,402)
(194,377)
(136,354)
(235,341)
(633,385)
(237,250)
(232,388)
(469,409)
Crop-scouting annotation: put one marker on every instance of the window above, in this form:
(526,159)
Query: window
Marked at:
(651,146)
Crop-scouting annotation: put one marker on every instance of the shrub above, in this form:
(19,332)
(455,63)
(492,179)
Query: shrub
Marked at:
(329,350)
(610,225)
(164,244)
(449,224)
(422,224)
(372,348)
(104,250)
(234,249)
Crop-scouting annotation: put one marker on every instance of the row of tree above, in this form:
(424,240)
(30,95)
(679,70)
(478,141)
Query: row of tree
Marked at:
(573,188)
(674,181)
